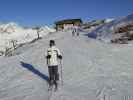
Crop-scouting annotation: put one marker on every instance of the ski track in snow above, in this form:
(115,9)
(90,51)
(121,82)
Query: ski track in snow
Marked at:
(91,71)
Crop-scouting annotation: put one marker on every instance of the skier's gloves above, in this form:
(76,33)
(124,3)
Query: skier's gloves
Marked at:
(48,56)
(59,56)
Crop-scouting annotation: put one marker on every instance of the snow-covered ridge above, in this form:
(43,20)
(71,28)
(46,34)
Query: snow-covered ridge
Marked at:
(13,34)
(109,20)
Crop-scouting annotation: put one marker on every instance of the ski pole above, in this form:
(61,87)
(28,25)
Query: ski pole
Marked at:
(61,73)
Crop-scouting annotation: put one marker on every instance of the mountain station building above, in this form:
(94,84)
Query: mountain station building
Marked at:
(68,23)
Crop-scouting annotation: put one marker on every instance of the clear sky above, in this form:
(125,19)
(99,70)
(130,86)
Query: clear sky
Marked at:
(41,12)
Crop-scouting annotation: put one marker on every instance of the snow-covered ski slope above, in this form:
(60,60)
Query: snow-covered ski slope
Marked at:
(91,71)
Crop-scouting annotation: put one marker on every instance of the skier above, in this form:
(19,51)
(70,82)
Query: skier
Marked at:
(53,55)
(75,31)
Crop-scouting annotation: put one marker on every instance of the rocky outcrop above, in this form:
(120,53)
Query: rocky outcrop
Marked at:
(126,34)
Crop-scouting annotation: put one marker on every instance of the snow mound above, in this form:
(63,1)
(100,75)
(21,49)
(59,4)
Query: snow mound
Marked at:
(107,32)
(8,28)
(11,34)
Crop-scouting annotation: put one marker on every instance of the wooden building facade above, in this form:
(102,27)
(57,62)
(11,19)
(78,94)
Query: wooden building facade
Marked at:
(68,23)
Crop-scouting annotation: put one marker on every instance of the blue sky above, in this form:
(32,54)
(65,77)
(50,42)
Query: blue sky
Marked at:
(41,12)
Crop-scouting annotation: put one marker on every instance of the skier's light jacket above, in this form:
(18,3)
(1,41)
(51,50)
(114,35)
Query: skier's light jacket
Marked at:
(53,52)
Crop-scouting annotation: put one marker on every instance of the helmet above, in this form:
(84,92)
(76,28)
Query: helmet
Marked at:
(52,42)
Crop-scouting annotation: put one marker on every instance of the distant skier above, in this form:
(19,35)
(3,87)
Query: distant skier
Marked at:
(53,55)
(75,31)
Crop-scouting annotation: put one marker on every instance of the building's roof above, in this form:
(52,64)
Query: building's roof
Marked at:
(68,21)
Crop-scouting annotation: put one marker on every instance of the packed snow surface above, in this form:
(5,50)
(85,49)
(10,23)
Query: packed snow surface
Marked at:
(91,70)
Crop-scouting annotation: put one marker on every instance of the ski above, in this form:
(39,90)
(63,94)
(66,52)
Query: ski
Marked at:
(50,91)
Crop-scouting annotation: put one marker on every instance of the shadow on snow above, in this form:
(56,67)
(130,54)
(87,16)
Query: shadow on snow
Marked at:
(34,71)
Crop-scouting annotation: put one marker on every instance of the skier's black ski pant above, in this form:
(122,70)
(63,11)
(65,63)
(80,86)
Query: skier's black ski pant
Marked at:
(53,75)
